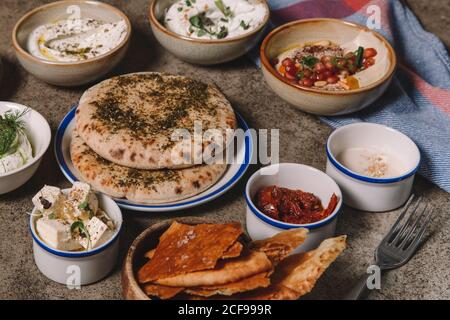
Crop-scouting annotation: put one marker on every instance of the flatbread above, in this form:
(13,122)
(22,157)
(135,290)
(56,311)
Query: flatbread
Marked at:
(142,186)
(226,271)
(296,275)
(185,249)
(162,292)
(130,119)
(259,280)
(280,245)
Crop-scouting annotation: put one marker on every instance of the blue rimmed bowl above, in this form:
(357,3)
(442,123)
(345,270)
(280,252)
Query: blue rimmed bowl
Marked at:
(77,268)
(298,177)
(364,192)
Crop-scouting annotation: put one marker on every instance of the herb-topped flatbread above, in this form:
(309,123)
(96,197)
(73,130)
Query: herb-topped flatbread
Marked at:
(143,186)
(130,119)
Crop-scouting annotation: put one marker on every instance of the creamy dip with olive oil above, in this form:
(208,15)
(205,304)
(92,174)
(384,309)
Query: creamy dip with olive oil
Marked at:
(74,40)
(214,19)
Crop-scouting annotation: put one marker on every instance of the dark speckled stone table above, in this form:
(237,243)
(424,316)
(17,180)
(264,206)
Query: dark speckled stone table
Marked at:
(426,276)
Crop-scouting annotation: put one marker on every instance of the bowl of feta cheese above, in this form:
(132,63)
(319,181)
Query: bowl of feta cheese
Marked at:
(208,32)
(70,43)
(75,234)
(24,138)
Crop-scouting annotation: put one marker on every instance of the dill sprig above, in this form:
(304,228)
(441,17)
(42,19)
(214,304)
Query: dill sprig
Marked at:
(10,124)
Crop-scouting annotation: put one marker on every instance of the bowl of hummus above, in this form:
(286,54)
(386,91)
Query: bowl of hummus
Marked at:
(24,138)
(327,66)
(208,32)
(70,43)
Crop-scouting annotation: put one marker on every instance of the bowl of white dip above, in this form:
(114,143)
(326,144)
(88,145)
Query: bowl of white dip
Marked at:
(374,165)
(70,43)
(21,154)
(208,32)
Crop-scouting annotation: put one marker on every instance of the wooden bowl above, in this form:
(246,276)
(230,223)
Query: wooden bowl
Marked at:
(146,241)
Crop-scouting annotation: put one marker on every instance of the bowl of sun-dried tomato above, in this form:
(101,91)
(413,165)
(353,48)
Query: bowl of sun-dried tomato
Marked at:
(290,195)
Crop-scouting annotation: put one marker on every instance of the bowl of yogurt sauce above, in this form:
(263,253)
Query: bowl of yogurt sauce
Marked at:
(374,165)
(71,43)
(208,32)
(24,138)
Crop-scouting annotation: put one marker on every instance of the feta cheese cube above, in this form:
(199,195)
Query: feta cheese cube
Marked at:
(97,231)
(47,198)
(57,234)
(83,200)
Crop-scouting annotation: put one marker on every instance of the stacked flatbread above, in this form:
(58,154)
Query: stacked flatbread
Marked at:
(211,261)
(127,142)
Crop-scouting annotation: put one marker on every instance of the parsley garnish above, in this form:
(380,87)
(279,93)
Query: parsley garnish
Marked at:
(244,25)
(309,61)
(225,10)
(222,33)
(81,228)
(83,205)
(201,22)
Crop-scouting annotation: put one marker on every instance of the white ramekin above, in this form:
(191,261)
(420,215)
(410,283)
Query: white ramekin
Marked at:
(79,268)
(367,193)
(39,134)
(292,176)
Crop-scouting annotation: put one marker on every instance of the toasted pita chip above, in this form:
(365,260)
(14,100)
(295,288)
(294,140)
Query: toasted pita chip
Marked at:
(150,253)
(233,251)
(259,280)
(226,271)
(296,275)
(162,292)
(184,249)
(280,245)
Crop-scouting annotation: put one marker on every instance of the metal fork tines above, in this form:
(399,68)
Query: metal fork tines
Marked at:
(402,240)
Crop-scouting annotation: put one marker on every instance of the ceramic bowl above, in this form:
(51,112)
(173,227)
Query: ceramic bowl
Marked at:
(367,193)
(146,241)
(39,135)
(1,71)
(83,267)
(376,79)
(68,73)
(292,176)
(201,51)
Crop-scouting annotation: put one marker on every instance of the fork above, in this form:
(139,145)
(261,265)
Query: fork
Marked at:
(400,244)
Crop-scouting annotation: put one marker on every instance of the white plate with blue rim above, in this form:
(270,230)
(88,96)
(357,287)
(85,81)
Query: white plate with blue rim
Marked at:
(234,172)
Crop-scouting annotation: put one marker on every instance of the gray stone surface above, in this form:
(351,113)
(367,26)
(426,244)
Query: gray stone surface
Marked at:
(303,137)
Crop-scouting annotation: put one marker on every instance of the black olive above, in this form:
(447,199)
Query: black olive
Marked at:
(45,203)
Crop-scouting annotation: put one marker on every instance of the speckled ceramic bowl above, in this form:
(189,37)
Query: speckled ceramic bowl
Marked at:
(68,73)
(201,51)
(349,35)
